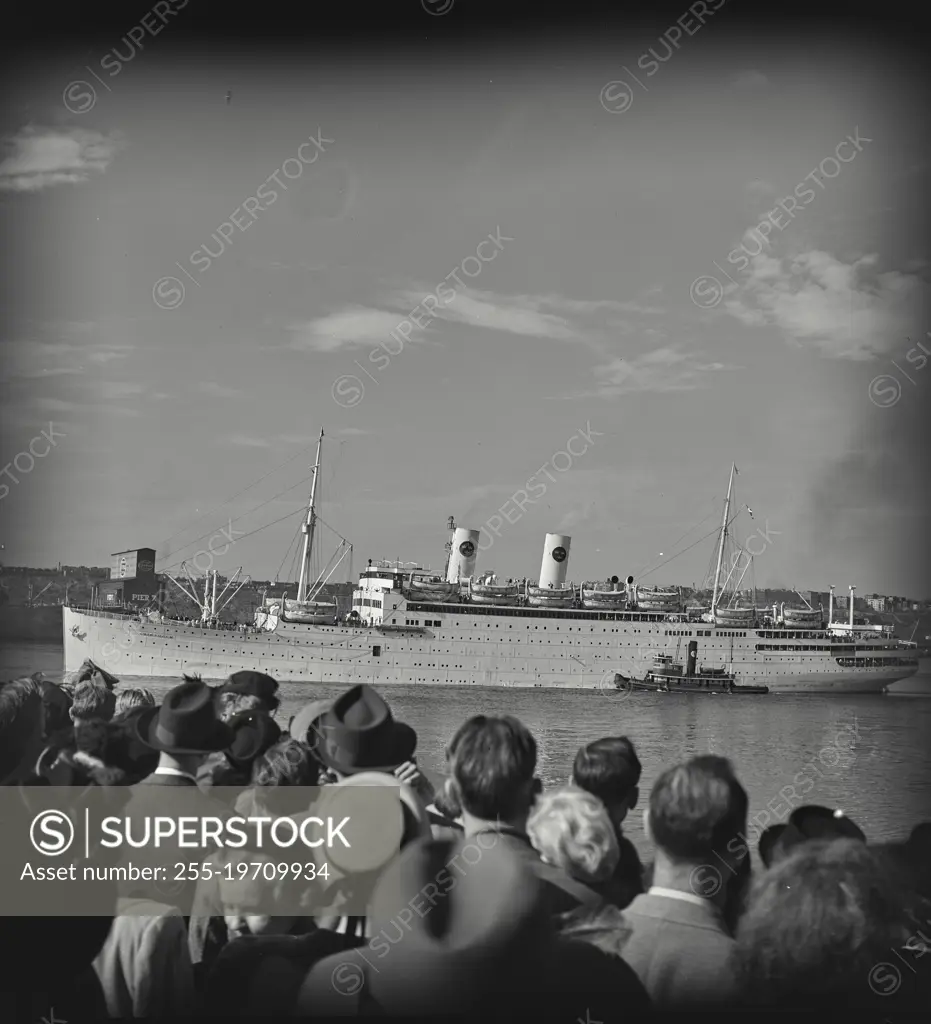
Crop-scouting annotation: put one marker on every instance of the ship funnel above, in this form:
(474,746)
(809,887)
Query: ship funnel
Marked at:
(463,555)
(555,560)
(693,656)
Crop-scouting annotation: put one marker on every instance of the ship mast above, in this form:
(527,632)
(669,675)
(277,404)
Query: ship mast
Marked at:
(717,571)
(307,528)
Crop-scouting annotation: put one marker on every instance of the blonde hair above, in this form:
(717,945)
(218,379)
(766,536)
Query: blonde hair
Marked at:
(571,829)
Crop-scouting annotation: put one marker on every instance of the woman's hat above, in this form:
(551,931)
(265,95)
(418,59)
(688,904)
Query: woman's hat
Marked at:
(185,723)
(806,823)
(255,684)
(359,734)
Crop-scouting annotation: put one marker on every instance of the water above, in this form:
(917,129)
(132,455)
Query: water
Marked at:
(869,755)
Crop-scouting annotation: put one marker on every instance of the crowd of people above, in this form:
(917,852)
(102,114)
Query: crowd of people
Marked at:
(502,897)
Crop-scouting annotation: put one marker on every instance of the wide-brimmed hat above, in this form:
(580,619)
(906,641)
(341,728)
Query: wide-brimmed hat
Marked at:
(254,732)
(185,723)
(804,824)
(301,726)
(359,734)
(393,819)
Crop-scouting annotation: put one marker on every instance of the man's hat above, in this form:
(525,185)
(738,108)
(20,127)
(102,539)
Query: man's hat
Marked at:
(806,823)
(186,722)
(302,725)
(254,732)
(359,734)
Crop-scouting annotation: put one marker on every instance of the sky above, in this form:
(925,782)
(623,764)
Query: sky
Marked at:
(581,220)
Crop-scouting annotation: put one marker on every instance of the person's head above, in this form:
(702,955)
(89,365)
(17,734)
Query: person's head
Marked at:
(267,905)
(57,700)
(610,770)
(254,684)
(570,829)
(22,729)
(360,734)
(696,812)
(818,925)
(92,700)
(133,697)
(493,763)
(230,704)
(184,728)
(287,764)
(806,823)
(141,759)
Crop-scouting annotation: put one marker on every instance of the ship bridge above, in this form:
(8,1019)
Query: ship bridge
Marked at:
(380,577)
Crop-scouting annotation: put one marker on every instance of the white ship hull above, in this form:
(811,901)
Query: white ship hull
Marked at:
(459,645)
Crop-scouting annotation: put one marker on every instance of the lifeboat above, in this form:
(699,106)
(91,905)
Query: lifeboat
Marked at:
(551,597)
(314,612)
(802,618)
(489,591)
(433,589)
(597,599)
(735,618)
(655,600)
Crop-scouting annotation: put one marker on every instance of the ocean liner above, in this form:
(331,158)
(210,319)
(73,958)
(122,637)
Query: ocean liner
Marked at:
(410,625)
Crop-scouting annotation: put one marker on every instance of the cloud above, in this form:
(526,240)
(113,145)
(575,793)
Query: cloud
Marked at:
(108,354)
(750,80)
(109,390)
(350,327)
(57,405)
(532,316)
(844,310)
(42,157)
(215,390)
(26,359)
(658,371)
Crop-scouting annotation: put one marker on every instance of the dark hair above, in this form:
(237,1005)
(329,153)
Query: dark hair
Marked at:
(21,712)
(818,925)
(93,700)
(697,808)
(493,760)
(608,768)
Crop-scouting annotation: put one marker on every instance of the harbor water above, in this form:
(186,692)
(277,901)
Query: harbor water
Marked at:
(868,755)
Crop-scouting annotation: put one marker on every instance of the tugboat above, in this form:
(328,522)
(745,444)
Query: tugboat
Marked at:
(669,676)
